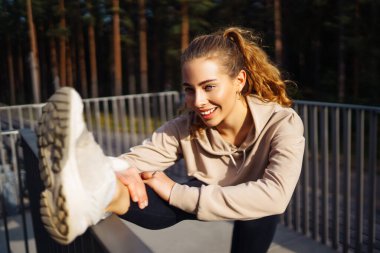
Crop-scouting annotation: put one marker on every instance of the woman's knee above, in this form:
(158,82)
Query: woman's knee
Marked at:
(254,235)
(157,215)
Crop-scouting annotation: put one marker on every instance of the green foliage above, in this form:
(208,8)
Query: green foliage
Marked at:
(313,31)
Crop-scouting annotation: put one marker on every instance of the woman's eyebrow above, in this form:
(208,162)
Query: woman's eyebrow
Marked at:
(201,83)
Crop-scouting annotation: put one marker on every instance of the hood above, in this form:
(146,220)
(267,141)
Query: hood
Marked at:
(211,141)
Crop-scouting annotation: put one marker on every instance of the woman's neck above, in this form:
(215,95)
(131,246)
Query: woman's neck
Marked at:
(236,132)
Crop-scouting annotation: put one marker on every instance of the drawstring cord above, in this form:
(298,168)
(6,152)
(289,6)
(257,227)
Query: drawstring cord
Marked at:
(233,160)
(235,164)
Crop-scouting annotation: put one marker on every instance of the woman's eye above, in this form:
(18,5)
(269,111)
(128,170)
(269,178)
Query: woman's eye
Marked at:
(188,90)
(209,87)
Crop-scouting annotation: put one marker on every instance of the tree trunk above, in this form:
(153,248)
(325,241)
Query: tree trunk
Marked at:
(116,48)
(20,71)
(278,32)
(92,49)
(355,81)
(62,44)
(54,63)
(42,55)
(11,72)
(33,55)
(316,44)
(185,25)
(374,59)
(93,65)
(69,63)
(143,48)
(82,63)
(155,50)
(341,58)
(131,71)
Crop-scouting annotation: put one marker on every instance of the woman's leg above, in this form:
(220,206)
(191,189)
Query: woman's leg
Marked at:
(158,214)
(120,202)
(254,235)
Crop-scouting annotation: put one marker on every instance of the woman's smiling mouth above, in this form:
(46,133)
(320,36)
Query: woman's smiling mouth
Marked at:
(207,114)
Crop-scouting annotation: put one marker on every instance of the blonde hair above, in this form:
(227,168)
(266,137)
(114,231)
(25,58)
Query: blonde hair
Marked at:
(238,49)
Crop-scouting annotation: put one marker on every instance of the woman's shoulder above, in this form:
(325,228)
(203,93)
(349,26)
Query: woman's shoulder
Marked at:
(268,112)
(270,106)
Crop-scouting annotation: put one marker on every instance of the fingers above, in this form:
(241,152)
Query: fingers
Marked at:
(131,178)
(148,174)
(135,181)
(159,182)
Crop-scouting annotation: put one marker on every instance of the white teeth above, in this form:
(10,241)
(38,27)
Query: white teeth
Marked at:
(208,112)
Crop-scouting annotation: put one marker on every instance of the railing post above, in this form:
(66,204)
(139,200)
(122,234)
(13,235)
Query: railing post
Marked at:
(347,179)
(297,213)
(335,135)
(147,116)
(372,175)
(107,123)
(305,173)
(359,147)
(5,220)
(315,181)
(325,173)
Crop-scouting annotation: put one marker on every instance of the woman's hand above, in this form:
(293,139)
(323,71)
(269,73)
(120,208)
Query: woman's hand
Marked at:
(159,182)
(132,179)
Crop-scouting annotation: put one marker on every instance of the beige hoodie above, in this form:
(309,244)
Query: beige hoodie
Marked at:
(254,180)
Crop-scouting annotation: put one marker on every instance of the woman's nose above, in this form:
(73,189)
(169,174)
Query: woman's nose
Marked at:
(200,98)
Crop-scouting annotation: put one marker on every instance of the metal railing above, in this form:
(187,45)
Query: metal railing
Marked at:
(336,200)
(117,124)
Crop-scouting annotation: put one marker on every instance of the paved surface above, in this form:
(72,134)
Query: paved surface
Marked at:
(215,237)
(185,237)
(16,235)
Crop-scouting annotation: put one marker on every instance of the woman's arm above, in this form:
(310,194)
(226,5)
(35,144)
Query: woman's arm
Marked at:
(254,199)
(154,154)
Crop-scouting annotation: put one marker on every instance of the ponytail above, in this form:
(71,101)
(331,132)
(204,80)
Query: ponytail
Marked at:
(237,49)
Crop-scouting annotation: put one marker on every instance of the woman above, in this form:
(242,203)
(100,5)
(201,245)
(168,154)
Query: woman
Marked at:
(239,139)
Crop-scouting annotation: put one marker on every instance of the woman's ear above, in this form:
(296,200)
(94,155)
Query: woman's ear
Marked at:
(241,79)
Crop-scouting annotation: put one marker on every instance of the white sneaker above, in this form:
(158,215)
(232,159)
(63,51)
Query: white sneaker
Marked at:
(79,179)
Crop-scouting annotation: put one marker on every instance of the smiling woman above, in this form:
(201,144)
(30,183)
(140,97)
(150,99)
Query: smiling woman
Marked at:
(241,143)
(215,97)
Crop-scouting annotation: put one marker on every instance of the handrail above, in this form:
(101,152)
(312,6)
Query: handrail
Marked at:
(338,105)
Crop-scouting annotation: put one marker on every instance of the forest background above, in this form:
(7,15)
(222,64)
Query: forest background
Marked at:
(329,48)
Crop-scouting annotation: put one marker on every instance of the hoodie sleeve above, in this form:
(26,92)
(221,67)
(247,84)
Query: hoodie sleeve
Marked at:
(158,152)
(268,195)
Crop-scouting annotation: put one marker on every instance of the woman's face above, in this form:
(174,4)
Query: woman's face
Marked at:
(211,93)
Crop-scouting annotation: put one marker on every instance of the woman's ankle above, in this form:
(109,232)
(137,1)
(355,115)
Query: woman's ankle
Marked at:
(121,200)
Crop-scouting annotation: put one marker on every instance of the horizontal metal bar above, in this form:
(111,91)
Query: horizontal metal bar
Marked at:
(336,105)
(9,132)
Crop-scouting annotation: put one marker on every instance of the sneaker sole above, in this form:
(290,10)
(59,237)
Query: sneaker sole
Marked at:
(53,133)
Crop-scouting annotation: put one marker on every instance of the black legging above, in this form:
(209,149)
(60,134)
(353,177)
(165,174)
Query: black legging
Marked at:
(253,236)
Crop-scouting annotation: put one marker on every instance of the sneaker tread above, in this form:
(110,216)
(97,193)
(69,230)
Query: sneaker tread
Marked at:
(52,142)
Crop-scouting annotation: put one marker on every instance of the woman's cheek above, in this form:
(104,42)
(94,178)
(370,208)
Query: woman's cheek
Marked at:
(189,101)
